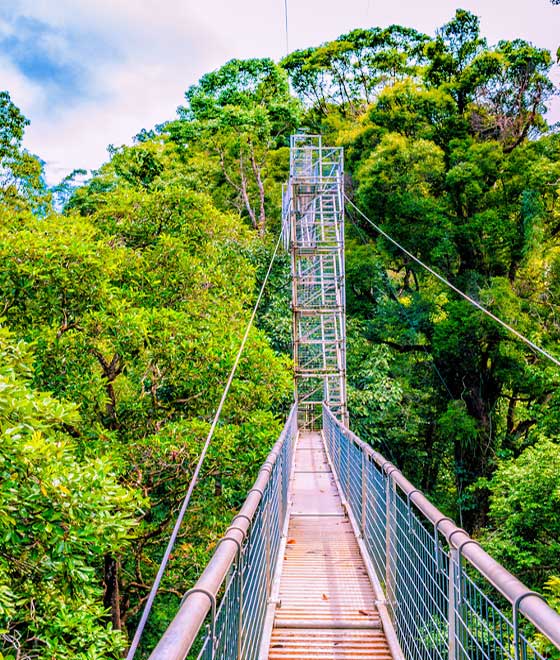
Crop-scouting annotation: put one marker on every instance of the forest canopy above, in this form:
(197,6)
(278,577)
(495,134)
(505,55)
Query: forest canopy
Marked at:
(124,297)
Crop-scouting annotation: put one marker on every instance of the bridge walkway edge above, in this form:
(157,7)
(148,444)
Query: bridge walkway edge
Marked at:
(326,601)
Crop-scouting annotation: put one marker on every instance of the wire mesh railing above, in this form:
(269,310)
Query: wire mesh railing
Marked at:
(239,574)
(447,598)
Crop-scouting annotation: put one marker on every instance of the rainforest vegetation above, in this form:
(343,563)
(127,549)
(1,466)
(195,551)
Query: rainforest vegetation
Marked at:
(123,299)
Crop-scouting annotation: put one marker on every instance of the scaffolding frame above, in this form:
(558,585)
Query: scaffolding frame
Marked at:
(313,225)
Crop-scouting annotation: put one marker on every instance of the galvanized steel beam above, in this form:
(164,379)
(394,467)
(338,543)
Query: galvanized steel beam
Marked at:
(313,217)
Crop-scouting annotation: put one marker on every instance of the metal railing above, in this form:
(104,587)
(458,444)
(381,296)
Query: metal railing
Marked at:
(446,596)
(239,573)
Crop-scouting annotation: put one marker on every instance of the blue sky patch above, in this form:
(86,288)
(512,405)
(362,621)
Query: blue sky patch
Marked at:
(57,60)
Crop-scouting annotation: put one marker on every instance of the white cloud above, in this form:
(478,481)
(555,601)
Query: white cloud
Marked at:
(78,137)
(141,55)
(23,92)
(158,54)
(5,28)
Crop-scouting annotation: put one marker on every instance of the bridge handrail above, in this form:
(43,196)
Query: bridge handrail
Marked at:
(201,599)
(523,600)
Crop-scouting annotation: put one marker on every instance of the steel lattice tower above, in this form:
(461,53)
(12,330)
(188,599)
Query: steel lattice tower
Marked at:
(313,214)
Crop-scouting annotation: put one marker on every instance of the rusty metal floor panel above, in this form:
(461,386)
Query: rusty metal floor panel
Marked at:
(326,603)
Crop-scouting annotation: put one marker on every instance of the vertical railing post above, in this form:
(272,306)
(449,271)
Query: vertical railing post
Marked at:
(279,487)
(337,433)
(520,652)
(240,618)
(451,618)
(364,492)
(390,493)
(347,467)
(213,637)
(267,517)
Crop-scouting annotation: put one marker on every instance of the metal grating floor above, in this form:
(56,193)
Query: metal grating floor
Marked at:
(326,606)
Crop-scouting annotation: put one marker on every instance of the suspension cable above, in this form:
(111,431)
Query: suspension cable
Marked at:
(194,478)
(442,279)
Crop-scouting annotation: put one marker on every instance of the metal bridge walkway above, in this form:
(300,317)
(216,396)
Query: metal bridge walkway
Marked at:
(325,602)
(342,557)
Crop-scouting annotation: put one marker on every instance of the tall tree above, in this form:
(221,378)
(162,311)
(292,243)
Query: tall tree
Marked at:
(347,74)
(237,115)
(21,175)
(60,514)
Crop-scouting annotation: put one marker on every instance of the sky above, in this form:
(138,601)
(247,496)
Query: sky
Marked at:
(89,73)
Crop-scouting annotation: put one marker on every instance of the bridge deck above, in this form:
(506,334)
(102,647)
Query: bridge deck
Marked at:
(326,603)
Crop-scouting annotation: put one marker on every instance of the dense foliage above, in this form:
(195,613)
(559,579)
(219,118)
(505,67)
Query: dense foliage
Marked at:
(121,315)
(132,305)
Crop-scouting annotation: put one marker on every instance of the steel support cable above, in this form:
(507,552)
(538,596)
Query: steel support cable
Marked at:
(472,301)
(153,591)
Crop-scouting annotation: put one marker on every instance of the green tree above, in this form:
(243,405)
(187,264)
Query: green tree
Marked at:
(137,308)
(501,93)
(473,207)
(347,74)
(236,116)
(62,510)
(455,58)
(21,175)
(524,530)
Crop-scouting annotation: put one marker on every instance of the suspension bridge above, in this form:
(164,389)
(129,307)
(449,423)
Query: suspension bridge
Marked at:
(334,553)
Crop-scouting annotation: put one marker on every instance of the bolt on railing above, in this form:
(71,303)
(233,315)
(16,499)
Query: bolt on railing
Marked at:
(447,598)
(242,566)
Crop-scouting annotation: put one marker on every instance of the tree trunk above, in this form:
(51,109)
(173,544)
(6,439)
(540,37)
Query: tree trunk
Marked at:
(111,369)
(260,185)
(245,193)
(111,599)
